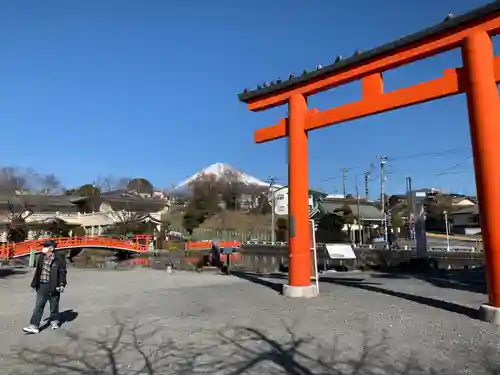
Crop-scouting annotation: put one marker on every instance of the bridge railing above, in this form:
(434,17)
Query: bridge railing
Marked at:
(207,245)
(23,248)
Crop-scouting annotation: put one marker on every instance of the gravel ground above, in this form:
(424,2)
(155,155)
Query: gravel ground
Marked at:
(147,322)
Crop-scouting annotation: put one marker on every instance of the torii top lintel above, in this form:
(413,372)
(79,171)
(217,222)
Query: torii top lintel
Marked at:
(428,42)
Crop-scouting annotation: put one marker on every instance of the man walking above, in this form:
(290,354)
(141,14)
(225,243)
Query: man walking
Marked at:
(49,282)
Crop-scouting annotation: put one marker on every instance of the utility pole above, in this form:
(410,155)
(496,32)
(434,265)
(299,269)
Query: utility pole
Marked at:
(271,180)
(383,161)
(360,228)
(344,180)
(409,198)
(367,175)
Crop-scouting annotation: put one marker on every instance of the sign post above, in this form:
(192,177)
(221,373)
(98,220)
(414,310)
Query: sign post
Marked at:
(315,252)
(419,224)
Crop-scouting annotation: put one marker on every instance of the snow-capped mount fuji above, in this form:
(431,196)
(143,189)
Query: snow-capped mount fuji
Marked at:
(219,170)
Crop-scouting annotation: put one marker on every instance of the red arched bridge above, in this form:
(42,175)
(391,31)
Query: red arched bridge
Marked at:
(137,244)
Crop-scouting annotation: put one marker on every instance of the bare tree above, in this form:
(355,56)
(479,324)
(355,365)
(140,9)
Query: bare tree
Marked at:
(13,180)
(50,184)
(126,220)
(14,183)
(204,202)
(111,183)
(22,194)
(27,181)
(232,190)
(259,199)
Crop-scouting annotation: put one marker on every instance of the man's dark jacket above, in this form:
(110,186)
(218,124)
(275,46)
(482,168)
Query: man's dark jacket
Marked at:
(57,273)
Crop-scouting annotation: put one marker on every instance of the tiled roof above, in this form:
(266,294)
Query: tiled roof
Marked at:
(39,202)
(470,210)
(367,210)
(125,201)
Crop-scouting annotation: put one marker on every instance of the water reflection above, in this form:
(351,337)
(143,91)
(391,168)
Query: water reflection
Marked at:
(182,260)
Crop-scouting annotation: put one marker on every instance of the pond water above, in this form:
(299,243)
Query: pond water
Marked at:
(108,260)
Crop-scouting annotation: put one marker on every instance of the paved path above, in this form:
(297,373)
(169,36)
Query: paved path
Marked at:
(147,322)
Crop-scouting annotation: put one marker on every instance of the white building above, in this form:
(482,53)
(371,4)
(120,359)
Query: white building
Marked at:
(114,208)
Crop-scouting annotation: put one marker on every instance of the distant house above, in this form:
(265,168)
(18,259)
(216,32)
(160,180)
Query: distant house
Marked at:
(457,201)
(370,216)
(466,220)
(462,201)
(368,211)
(124,200)
(114,207)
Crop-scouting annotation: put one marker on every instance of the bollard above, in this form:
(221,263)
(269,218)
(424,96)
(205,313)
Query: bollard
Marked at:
(151,247)
(32,258)
(169,268)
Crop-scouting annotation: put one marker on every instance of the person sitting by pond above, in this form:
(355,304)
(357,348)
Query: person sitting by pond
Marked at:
(215,254)
(49,281)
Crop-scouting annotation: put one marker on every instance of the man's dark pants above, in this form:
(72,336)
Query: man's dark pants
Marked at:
(43,296)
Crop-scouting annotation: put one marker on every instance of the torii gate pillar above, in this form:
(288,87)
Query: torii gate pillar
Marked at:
(299,275)
(484,113)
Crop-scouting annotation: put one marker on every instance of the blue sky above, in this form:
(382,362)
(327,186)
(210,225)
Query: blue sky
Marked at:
(148,89)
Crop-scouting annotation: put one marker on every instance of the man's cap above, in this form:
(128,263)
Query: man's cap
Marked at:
(49,243)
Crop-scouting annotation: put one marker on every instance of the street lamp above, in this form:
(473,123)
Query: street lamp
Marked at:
(445,213)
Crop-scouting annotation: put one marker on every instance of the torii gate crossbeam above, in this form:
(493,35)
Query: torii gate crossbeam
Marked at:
(477,78)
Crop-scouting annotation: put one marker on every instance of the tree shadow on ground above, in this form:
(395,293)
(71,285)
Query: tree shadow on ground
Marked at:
(469,280)
(432,302)
(376,287)
(263,279)
(12,272)
(129,347)
(256,279)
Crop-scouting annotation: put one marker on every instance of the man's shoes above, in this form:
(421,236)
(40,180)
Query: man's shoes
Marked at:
(31,329)
(54,325)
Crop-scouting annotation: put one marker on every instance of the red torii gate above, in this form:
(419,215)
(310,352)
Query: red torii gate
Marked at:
(471,32)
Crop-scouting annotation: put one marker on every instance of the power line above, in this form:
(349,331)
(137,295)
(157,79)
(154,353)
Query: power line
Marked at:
(399,158)
(372,174)
(426,154)
(452,169)
(392,159)
(330,178)
(447,171)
